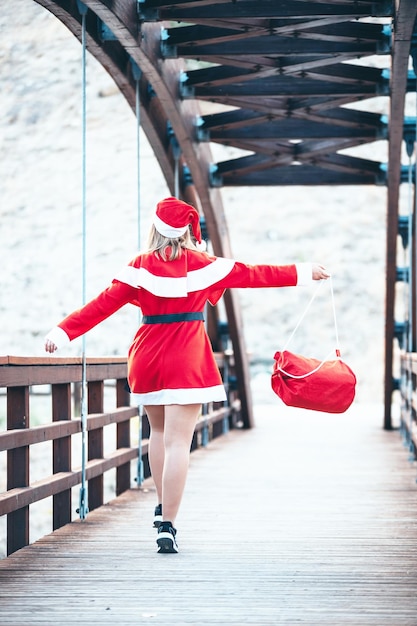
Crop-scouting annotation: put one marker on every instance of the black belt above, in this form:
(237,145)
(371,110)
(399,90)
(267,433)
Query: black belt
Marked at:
(173,317)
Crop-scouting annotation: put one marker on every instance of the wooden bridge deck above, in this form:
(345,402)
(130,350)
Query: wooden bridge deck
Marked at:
(307,519)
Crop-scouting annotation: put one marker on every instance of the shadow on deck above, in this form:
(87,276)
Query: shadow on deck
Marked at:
(306,519)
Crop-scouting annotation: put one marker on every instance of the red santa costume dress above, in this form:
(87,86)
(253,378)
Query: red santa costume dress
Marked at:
(171,360)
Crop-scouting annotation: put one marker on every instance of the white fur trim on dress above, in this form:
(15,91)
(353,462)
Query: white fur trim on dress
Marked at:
(181,396)
(168,287)
(157,285)
(58,336)
(209,275)
(304,274)
(166,230)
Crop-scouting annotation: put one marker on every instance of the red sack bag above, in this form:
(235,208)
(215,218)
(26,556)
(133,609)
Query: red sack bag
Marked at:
(307,383)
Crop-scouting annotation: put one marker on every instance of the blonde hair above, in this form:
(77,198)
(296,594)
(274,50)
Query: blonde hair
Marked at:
(159,244)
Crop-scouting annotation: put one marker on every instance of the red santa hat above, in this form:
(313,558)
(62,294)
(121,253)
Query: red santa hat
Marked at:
(173,217)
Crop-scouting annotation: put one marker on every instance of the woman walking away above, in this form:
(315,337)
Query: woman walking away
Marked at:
(171,282)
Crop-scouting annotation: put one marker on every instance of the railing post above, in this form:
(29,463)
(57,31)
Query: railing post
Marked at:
(95,443)
(123,437)
(17,467)
(61,453)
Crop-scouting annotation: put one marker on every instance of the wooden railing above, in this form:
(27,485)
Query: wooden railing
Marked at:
(19,376)
(408,391)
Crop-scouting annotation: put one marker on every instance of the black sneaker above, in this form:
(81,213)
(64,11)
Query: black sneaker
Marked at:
(157,518)
(166,538)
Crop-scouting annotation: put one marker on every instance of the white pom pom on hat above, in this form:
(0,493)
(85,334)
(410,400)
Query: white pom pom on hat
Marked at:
(201,246)
(173,216)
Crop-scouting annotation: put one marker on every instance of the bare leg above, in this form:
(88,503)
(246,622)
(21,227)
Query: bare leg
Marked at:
(172,429)
(180,423)
(156,446)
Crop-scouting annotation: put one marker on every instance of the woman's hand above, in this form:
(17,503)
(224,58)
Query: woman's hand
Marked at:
(50,346)
(319,272)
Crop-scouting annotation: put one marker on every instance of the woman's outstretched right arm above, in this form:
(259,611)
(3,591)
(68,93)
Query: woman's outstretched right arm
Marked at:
(82,320)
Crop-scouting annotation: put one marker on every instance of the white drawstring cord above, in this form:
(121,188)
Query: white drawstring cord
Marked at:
(316,369)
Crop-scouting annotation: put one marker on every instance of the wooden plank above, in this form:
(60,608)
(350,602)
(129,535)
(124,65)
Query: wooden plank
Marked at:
(346,170)
(347,119)
(117,416)
(123,438)
(294,129)
(282,46)
(14,500)
(71,365)
(95,443)
(213,417)
(61,453)
(289,86)
(45,360)
(307,519)
(24,437)
(50,373)
(18,417)
(346,31)
(182,11)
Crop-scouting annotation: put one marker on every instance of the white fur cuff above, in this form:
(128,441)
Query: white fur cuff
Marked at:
(58,336)
(304,274)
